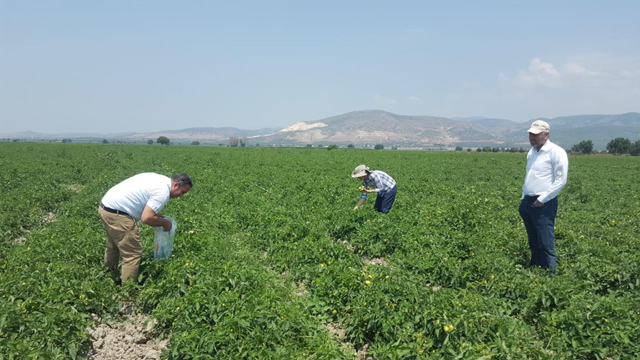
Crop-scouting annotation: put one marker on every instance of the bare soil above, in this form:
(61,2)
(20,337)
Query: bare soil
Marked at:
(132,338)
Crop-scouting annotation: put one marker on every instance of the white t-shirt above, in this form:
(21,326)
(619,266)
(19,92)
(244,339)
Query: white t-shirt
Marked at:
(136,192)
(546,172)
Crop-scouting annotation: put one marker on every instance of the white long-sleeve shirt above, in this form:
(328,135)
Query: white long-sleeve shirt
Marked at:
(546,172)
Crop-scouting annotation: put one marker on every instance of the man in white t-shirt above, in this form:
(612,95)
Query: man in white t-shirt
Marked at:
(138,198)
(546,175)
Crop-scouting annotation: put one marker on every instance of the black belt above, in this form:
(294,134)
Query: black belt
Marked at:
(113,211)
(531,197)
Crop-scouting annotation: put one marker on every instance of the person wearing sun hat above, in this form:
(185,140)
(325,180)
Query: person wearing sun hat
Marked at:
(546,175)
(378,182)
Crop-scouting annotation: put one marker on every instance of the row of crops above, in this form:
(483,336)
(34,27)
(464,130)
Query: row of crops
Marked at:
(269,255)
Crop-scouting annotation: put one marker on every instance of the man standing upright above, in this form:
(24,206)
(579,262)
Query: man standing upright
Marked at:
(138,198)
(546,175)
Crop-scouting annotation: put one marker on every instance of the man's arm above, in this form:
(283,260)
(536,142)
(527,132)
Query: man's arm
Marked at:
(360,203)
(560,169)
(150,218)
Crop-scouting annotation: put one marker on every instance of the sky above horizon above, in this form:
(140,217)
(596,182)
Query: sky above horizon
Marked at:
(143,66)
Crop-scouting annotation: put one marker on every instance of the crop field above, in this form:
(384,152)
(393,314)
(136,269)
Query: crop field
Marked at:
(271,262)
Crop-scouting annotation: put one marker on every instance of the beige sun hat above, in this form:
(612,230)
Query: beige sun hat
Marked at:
(538,126)
(361,170)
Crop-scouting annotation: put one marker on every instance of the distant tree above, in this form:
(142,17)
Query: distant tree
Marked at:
(351,146)
(634,149)
(66,141)
(619,146)
(458,148)
(150,142)
(163,140)
(379,147)
(243,142)
(468,149)
(195,143)
(584,147)
(233,141)
(479,149)
(320,145)
(105,141)
(309,145)
(486,149)
(332,146)
(495,149)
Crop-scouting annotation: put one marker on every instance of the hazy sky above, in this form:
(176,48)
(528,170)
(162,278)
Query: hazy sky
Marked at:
(148,65)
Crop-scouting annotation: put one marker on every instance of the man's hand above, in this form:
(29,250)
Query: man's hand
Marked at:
(167,225)
(538,204)
(150,218)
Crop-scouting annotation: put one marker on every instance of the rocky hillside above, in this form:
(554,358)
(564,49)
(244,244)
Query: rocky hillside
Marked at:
(369,127)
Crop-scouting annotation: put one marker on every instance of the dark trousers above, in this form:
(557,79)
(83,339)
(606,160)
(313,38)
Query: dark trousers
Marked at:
(539,222)
(385,202)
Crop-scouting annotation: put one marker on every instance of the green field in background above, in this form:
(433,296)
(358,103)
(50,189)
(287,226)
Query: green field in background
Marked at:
(449,278)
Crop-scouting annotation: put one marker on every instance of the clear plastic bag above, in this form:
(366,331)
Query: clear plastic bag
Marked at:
(163,244)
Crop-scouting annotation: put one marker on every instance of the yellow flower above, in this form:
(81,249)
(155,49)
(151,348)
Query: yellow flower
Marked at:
(367,282)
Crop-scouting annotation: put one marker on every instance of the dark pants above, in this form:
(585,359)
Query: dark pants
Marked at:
(539,222)
(385,202)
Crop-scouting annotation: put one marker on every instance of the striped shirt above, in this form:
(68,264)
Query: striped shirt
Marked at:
(380,181)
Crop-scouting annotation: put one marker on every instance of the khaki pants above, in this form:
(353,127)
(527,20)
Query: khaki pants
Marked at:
(123,242)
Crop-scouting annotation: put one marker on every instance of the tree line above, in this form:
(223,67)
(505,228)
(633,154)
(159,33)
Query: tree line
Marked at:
(617,146)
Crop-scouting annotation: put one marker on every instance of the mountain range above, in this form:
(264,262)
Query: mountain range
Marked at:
(370,127)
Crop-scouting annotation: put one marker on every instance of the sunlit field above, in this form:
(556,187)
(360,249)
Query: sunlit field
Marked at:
(271,262)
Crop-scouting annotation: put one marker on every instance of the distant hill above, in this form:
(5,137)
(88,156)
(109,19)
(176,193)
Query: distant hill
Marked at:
(369,127)
(366,128)
(212,134)
(221,134)
(570,130)
(27,135)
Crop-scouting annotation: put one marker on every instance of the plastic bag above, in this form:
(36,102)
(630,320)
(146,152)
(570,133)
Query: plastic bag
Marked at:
(163,244)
